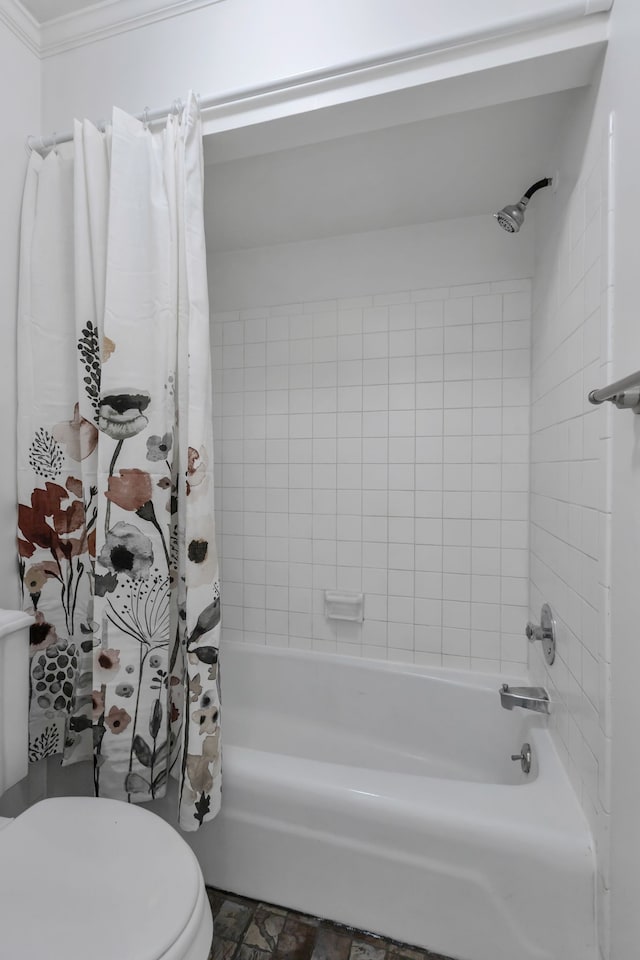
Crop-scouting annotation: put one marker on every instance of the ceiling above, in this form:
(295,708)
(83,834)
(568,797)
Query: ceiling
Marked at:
(460,165)
(45,10)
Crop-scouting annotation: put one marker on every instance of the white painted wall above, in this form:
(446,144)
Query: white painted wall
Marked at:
(441,254)
(240,43)
(20,72)
(392,177)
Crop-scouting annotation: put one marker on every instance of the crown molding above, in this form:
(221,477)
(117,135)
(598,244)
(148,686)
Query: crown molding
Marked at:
(20,22)
(107,19)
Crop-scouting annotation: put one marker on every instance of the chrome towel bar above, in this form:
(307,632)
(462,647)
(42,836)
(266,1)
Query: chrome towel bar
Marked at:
(624,393)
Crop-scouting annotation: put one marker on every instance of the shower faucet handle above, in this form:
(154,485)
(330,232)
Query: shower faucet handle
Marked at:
(534,631)
(545,632)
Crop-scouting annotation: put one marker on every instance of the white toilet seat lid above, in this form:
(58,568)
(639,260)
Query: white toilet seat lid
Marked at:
(82,878)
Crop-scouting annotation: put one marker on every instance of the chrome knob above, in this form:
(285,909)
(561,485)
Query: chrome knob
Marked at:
(545,631)
(525,757)
(533,631)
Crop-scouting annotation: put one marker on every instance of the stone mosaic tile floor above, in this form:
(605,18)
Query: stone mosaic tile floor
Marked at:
(248,930)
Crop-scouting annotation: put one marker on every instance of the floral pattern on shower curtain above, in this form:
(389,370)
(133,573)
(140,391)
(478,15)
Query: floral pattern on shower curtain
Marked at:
(115,524)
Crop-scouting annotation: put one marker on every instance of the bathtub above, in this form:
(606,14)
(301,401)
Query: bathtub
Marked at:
(383,796)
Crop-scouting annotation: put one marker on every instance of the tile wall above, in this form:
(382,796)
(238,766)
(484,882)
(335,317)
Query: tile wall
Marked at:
(570,508)
(378,444)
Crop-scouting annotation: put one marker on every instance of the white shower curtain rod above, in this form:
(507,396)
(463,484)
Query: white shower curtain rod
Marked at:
(514,26)
(244,94)
(241,95)
(147,116)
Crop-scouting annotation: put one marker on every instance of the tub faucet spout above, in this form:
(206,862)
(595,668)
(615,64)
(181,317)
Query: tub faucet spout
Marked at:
(529,698)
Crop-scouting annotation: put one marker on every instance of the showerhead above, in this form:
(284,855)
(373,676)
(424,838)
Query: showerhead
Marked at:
(511,217)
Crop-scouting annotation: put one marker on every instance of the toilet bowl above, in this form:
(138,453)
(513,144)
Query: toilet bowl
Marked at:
(84,877)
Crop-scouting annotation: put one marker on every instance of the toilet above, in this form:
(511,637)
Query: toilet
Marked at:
(81,876)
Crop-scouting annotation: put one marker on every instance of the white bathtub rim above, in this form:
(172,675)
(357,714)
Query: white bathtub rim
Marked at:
(465,678)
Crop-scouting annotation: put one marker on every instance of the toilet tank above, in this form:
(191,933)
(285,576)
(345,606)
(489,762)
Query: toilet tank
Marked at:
(14,696)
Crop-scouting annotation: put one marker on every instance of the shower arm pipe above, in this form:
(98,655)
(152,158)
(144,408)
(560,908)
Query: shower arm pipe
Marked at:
(538,185)
(625,393)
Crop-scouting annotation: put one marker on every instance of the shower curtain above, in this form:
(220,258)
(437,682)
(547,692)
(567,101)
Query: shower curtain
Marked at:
(115,521)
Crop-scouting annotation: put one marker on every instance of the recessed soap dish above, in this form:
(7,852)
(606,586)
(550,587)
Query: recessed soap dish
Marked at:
(344,606)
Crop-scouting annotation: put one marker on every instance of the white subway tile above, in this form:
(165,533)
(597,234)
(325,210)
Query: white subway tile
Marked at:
(349,373)
(431,368)
(458,393)
(516,391)
(487,365)
(430,313)
(516,306)
(300,327)
(487,308)
(402,343)
(429,613)
(402,315)
(374,634)
(428,557)
(350,399)
(458,339)
(515,363)
(458,366)
(516,335)
(350,321)
(458,311)
(375,319)
(456,559)
(487,336)
(375,370)
(428,450)
(485,533)
(430,341)
(402,369)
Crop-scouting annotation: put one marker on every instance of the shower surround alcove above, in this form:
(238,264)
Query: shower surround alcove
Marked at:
(372,334)
(373,355)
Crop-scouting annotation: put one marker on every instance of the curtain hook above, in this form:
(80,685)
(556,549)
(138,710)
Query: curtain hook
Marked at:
(145,118)
(55,142)
(177,106)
